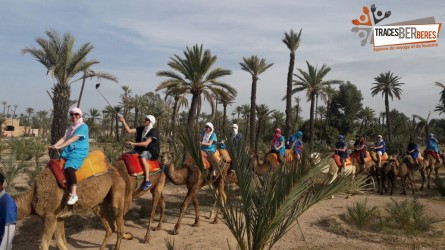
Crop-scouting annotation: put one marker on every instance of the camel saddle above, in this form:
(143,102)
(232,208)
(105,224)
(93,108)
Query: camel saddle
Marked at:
(94,165)
(337,160)
(205,160)
(225,155)
(134,166)
(289,155)
(356,155)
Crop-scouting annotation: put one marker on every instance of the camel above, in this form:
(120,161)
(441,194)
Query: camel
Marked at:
(269,164)
(113,191)
(403,170)
(48,201)
(430,163)
(331,167)
(133,191)
(191,176)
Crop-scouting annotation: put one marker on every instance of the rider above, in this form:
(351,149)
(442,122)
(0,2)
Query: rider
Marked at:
(146,145)
(413,149)
(379,149)
(341,150)
(277,145)
(432,144)
(208,142)
(295,142)
(360,148)
(75,149)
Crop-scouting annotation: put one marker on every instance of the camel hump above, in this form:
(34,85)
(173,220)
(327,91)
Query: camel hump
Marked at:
(134,166)
(225,155)
(94,165)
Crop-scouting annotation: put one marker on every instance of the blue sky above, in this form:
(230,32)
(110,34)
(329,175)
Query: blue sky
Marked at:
(135,39)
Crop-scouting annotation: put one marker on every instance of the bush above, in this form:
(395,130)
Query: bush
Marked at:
(410,216)
(361,215)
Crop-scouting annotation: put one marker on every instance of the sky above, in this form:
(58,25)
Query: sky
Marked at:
(135,39)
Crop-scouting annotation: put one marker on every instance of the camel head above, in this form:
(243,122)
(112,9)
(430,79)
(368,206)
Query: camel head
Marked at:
(314,158)
(166,158)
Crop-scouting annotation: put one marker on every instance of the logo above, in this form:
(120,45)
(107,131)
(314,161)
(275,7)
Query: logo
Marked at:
(419,33)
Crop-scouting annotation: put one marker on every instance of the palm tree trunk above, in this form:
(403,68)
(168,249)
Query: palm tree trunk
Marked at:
(252,113)
(257,137)
(224,118)
(173,125)
(312,121)
(193,109)
(289,94)
(388,123)
(61,103)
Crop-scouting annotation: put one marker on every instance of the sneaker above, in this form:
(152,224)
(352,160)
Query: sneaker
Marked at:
(146,185)
(72,200)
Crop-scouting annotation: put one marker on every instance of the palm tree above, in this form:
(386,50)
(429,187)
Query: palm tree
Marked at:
(312,82)
(225,99)
(367,115)
(29,111)
(179,100)
(62,63)
(194,73)
(442,92)
(263,113)
(238,111)
(292,41)
(440,108)
(88,73)
(255,67)
(389,86)
(94,115)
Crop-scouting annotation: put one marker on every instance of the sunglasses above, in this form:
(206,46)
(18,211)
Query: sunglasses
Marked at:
(73,114)
(147,120)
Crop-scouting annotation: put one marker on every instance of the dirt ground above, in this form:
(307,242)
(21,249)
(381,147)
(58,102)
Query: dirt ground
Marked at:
(320,227)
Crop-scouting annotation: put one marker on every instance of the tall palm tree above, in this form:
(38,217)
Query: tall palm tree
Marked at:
(88,73)
(263,113)
(442,92)
(94,115)
(292,41)
(367,115)
(179,100)
(440,108)
(29,111)
(297,108)
(62,63)
(255,67)
(194,72)
(238,111)
(312,82)
(225,99)
(388,84)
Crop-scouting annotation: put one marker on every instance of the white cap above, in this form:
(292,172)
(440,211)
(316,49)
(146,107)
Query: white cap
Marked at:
(151,119)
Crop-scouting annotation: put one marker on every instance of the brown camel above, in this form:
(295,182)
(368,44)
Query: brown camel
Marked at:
(191,176)
(430,163)
(133,191)
(331,167)
(269,164)
(121,187)
(48,201)
(404,170)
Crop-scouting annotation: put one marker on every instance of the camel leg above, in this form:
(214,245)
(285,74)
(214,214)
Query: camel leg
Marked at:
(212,211)
(403,185)
(156,197)
(422,173)
(104,217)
(161,208)
(196,205)
(190,195)
(60,235)
(49,227)
(334,176)
(428,177)
(411,179)
(222,197)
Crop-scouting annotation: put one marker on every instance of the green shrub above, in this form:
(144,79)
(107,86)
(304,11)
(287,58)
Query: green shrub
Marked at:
(409,215)
(360,214)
